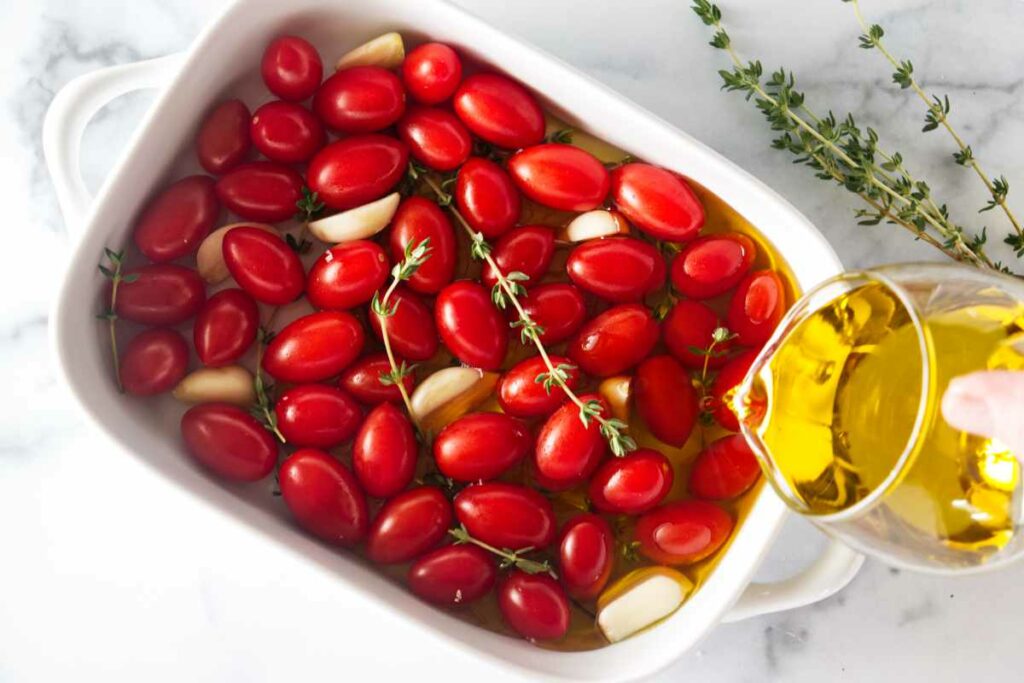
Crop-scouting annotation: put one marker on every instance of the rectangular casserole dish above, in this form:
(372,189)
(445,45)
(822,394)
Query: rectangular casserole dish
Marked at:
(221,61)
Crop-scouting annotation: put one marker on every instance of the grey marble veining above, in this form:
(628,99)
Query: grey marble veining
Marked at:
(121,587)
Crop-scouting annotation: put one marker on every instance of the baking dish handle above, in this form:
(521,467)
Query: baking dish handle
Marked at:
(827,575)
(70,112)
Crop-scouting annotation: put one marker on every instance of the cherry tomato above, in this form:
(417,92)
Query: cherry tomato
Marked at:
(153,362)
(432,72)
(568,452)
(347,275)
(631,484)
(261,191)
(586,553)
(362,380)
(361,99)
(384,451)
(486,197)
(409,525)
(725,469)
(176,221)
(161,294)
(558,308)
(411,329)
(418,219)
(223,140)
(506,515)
(324,497)
(561,176)
(683,532)
(727,379)
(286,132)
(534,605)
(615,340)
(314,347)
(470,325)
(263,265)
(618,269)
(229,441)
(500,110)
(225,327)
(357,170)
(690,326)
(453,575)
(657,201)
(435,137)
(481,446)
(666,399)
(520,394)
(317,415)
(712,265)
(527,250)
(291,68)
(757,307)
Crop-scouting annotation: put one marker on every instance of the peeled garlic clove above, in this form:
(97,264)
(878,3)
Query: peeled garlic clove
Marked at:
(617,392)
(229,384)
(594,224)
(386,51)
(640,599)
(210,257)
(448,394)
(358,223)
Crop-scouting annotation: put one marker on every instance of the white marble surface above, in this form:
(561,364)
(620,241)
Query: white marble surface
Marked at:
(107,574)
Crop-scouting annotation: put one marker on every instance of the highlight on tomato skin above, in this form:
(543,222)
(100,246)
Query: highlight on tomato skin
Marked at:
(324,497)
(486,197)
(633,484)
(683,532)
(586,555)
(314,348)
(175,222)
(657,201)
(567,452)
(614,341)
(436,138)
(229,441)
(153,362)
(291,68)
(561,176)
(286,132)
(356,170)
(724,470)
(712,265)
(347,275)
(481,446)
(521,395)
(408,525)
(757,307)
(384,451)
(360,99)
(317,415)
(225,327)
(617,269)
(431,72)
(506,515)
(470,326)
(499,110)
(453,575)
(534,605)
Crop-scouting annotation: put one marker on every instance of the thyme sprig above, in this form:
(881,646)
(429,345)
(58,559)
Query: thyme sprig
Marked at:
(509,558)
(613,430)
(937,115)
(264,408)
(307,208)
(114,271)
(719,335)
(841,152)
(413,258)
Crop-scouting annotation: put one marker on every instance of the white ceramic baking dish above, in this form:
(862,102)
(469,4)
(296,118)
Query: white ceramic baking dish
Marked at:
(223,60)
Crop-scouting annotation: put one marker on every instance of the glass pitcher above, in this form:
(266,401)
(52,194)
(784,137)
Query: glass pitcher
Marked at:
(842,409)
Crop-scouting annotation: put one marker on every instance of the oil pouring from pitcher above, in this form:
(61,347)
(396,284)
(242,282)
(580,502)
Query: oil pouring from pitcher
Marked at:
(842,408)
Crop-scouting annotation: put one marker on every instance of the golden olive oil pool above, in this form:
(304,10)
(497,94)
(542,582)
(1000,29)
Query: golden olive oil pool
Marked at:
(845,411)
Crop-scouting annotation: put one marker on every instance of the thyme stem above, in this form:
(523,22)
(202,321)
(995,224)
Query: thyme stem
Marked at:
(611,429)
(873,37)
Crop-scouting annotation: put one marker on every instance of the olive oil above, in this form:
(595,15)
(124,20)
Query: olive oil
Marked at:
(847,408)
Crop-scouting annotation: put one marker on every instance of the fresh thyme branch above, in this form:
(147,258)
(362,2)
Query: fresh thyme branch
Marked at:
(840,151)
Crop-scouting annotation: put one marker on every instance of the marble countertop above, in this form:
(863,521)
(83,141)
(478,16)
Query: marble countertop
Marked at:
(108,574)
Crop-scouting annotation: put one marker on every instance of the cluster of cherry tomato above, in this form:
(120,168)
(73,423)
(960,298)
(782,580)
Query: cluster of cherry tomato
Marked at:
(349,139)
